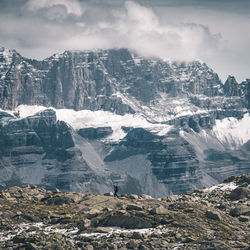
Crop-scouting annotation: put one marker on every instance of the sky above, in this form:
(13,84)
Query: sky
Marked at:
(214,31)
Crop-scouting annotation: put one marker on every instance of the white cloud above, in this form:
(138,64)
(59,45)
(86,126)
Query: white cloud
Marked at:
(56,8)
(219,38)
(134,26)
(139,28)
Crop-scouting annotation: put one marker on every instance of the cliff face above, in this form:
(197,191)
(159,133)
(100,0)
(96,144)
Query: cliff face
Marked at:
(100,79)
(40,149)
(168,127)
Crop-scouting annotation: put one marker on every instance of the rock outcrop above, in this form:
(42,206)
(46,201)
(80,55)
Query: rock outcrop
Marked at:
(41,150)
(95,133)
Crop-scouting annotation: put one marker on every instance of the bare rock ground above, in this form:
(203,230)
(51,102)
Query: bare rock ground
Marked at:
(212,218)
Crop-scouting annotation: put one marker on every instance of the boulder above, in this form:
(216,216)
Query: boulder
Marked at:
(159,210)
(134,207)
(239,193)
(240,210)
(83,224)
(129,221)
(243,218)
(133,196)
(146,197)
(103,230)
(108,194)
(58,200)
(213,215)
(132,244)
(137,236)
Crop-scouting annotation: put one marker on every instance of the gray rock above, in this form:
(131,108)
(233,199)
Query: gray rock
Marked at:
(243,218)
(133,196)
(103,230)
(213,215)
(95,133)
(108,194)
(160,210)
(137,235)
(134,207)
(83,224)
(132,244)
(240,210)
(127,221)
(58,200)
(89,247)
(239,193)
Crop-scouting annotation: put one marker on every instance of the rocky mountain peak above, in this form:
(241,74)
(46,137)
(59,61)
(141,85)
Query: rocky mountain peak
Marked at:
(99,79)
(231,87)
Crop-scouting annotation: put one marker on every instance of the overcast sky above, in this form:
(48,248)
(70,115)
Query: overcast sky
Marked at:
(215,31)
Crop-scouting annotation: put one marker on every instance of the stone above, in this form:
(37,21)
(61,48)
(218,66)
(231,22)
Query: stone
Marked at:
(145,196)
(178,236)
(108,194)
(89,247)
(134,207)
(93,213)
(240,210)
(126,221)
(83,224)
(137,235)
(133,196)
(160,210)
(58,200)
(132,244)
(189,210)
(239,193)
(103,230)
(243,218)
(213,215)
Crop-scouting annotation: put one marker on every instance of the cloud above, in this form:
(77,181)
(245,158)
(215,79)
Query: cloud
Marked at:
(139,28)
(167,29)
(133,26)
(55,9)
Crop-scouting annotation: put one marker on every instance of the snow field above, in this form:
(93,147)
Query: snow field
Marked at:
(88,118)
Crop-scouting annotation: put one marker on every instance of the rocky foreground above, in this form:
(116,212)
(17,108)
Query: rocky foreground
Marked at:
(214,218)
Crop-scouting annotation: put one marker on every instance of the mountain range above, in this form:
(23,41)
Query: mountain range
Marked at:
(85,120)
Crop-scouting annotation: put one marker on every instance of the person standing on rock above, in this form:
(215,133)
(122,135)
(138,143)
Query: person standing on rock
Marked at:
(115,190)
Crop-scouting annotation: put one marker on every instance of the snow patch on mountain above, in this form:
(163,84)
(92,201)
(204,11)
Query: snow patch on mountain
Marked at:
(223,187)
(232,131)
(86,118)
(226,134)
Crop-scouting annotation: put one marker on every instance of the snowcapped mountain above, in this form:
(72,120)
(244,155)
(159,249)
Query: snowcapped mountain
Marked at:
(150,125)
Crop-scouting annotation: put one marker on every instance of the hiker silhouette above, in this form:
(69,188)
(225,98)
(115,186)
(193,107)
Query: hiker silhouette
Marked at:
(115,190)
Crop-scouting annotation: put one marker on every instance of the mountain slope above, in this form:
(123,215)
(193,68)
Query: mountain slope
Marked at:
(153,126)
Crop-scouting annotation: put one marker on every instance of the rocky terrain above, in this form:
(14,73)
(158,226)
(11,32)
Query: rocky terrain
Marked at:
(211,218)
(88,119)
